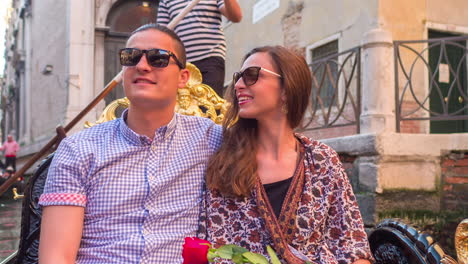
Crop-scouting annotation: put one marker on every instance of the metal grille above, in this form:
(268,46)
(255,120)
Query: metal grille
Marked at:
(431,80)
(338,74)
(326,89)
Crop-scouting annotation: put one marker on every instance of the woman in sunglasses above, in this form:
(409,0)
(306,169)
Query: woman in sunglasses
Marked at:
(268,185)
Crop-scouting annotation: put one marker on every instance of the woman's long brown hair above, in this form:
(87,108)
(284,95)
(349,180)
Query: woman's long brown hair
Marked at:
(232,170)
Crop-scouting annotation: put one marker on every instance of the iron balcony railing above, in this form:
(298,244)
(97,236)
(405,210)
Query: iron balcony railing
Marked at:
(431,81)
(336,92)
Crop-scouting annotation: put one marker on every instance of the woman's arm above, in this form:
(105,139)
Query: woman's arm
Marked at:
(345,226)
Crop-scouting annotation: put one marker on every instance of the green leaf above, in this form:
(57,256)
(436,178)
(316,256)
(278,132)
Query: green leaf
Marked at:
(273,256)
(237,249)
(228,251)
(255,258)
(238,259)
(212,255)
(225,252)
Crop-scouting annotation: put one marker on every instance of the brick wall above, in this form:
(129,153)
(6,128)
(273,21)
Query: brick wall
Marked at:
(412,126)
(454,167)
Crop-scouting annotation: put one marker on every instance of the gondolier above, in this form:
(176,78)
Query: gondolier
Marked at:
(202,34)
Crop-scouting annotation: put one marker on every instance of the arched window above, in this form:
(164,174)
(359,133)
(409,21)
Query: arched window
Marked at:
(124,17)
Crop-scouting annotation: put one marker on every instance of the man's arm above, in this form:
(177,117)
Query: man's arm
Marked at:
(231,10)
(61,231)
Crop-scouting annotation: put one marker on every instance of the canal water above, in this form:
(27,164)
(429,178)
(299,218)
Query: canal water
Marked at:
(10,222)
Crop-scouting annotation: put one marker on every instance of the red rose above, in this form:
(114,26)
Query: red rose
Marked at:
(195,251)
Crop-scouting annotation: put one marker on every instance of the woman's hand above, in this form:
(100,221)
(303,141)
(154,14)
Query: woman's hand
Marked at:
(361,261)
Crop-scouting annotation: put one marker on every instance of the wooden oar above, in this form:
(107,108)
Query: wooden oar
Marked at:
(182,14)
(117,79)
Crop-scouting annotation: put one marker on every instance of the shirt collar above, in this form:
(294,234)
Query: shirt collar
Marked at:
(171,126)
(162,133)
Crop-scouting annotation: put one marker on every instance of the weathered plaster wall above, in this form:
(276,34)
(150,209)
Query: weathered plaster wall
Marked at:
(453,12)
(318,20)
(405,19)
(80,50)
(244,36)
(67,43)
(47,46)
(350,19)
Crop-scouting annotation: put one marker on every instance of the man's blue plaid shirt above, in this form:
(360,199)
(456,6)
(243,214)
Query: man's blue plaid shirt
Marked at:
(141,196)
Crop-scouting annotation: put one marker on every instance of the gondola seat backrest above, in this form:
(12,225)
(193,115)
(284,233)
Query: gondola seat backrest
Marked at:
(393,242)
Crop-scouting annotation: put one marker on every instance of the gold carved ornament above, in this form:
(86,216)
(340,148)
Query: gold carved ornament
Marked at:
(195,99)
(16,195)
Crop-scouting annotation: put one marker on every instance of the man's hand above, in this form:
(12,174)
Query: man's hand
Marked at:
(231,10)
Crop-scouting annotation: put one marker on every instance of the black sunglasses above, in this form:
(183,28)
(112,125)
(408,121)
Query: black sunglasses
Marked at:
(156,57)
(250,75)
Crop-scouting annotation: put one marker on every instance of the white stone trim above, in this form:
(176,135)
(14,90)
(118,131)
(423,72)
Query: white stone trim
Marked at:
(321,42)
(451,28)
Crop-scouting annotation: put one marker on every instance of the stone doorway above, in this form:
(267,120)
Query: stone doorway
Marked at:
(448,61)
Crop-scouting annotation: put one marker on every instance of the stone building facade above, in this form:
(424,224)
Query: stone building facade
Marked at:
(61,53)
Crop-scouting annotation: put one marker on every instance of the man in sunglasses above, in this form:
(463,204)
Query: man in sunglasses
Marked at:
(129,190)
(202,34)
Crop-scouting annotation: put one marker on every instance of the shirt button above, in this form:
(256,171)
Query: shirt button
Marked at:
(151,178)
(153,147)
(145,232)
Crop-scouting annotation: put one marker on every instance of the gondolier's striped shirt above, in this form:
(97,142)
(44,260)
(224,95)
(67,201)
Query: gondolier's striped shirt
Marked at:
(200,30)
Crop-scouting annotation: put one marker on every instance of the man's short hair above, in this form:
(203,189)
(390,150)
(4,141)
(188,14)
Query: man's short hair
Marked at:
(180,48)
